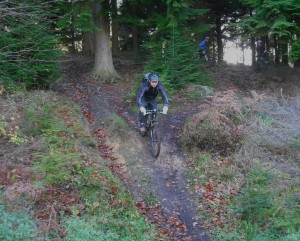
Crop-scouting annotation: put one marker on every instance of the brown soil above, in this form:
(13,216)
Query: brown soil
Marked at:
(161,178)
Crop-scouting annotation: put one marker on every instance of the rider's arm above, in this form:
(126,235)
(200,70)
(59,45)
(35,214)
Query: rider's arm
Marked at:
(140,95)
(163,95)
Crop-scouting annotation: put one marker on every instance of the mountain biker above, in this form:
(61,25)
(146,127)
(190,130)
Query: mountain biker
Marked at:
(262,54)
(203,48)
(147,97)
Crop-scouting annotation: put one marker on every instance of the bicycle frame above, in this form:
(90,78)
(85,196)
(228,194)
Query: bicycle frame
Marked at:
(152,126)
(202,55)
(152,118)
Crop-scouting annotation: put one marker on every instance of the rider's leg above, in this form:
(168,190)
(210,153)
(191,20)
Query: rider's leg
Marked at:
(143,118)
(201,54)
(142,122)
(149,105)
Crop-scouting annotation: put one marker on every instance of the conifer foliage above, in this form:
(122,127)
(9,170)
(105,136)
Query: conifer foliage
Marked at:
(172,48)
(28,47)
(278,19)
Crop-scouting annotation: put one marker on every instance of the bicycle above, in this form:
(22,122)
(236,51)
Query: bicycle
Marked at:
(152,127)
(201,55)
(264,62)
(203,58)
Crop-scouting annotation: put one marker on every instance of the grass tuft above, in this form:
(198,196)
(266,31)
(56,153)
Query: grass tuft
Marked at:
(78,190)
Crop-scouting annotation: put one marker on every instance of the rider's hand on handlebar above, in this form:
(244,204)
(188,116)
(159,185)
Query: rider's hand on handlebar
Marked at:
(143,110)
(165,110)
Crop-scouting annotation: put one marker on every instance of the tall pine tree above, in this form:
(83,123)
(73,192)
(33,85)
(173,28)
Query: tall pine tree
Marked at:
(172,47)
(277,18)
(29,48)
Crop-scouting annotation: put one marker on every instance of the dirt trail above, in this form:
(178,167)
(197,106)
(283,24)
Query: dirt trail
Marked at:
(151,180)
(162,179)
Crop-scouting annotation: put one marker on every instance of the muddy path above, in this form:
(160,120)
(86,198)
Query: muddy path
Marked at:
(158,185)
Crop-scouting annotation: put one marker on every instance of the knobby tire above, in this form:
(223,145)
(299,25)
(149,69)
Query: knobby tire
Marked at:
(155,141)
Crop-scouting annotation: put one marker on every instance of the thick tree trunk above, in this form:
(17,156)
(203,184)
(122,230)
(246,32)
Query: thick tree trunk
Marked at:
(219,39)
(103,68)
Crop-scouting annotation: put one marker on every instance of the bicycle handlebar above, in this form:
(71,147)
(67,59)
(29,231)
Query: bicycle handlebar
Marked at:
(159,111)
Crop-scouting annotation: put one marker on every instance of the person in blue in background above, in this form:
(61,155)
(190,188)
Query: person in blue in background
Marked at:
(262,55)
(147,97)
(203,48)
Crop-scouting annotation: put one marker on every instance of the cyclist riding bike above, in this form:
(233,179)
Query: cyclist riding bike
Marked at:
(203,49)
(262,55)
(147,98)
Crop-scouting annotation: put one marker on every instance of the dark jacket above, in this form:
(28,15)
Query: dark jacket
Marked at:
(148,93)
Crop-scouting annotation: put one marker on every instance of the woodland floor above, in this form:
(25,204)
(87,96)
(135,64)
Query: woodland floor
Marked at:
(163,179)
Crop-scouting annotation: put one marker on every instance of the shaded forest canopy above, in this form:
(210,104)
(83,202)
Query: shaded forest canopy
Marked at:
(58,178)
(165,34)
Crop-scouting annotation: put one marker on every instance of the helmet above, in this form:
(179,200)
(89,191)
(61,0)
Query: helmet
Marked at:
(153,77)
(207,38)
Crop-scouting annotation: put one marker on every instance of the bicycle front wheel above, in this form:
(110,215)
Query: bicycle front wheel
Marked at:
(196,56)
(155,141)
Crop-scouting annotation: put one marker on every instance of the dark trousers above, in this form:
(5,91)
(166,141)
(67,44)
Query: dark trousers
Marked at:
(149,105)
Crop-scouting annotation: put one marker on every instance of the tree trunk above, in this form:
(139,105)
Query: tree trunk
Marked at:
(252,44)
(72,47)
(88,44)
(103,68)
(267,43)
(277,52)
(135,46)
(219,39)
(114,28)
(243,50)
(88,41)
(214,56)
(285,58)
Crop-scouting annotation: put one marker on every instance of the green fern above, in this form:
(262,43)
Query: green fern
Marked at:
(16,226)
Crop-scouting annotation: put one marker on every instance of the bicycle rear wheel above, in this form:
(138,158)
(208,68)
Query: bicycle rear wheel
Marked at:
(155,141)
(196,56)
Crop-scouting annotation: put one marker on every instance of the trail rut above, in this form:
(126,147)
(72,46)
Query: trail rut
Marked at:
(162,179)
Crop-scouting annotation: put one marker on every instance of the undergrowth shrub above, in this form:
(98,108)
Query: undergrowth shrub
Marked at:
(2,126)
(256,204)
(80,229)
(29,56)
(116,123)
(274,131)
(197,92)
(109,211)
(266,212)
(263,171)
(219,128)
(16,226)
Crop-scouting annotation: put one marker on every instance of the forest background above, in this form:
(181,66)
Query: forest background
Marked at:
(36,35)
